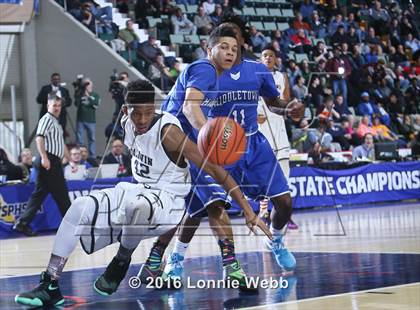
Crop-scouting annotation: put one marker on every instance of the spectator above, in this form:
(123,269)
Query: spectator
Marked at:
(326,111)
(159,73)
(342,68)
(349,132)
(300,43)
(412,43)
(117,156)
(26,164)
(340,107)
(72,167)
(258,40)
(371,38)
(412,96)
(366,107)
(87,103)
(7,168)
(306,9)
(339,36)
(293,72)
(181,24)
(366,150)
(338,135)
(117,88)
(128,35)
(84,153)
(364,127)
(299,90)
(282,40)
(383,132)
(379,17)
(149,49)
(407,27)
(316,92)
(201,51)
(352,38)
(334,23)
(87,18)
(317,26)
(305,69)
(203,22)
(298,23)
(320,51)
(42,98)
(216,16)
(209,6)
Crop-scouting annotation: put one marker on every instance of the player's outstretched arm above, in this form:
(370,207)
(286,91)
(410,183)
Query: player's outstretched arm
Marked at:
(294,109)
(191,107)
(174,140)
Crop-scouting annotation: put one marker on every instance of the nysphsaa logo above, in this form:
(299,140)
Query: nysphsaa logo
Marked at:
(10,212)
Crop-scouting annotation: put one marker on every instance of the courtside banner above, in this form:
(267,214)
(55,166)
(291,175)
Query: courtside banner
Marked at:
(11,1)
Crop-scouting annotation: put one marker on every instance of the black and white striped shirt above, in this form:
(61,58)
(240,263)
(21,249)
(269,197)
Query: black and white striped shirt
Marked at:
(51,130)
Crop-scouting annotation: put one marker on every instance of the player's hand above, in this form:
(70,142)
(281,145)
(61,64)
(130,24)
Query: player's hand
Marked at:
(253,221)
(45,162)
(296,110)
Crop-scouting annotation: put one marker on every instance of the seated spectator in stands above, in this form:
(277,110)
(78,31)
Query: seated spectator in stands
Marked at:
(87,18)
(306,9)
(203,22)
(298,23)
(128,35)
(209,6)
(339,36)
(334,23)
(282,40)
(149,49)
(7,168)
(320,51)
(117,156)
(412,95)
(319,30)
(299,90)
(316,92)
(216,16)
(159,73)
(366,150)
(84,153)
(103,15)
(300,43)
(352,38)
(26,164)
(305,69)
(72,167)
(326,111)
(366,107)
(144,8)
(358,60)
(371,38)
(175,70)
(365,127)
(398,56)
(258,40)
(340,107)
(383,132)
(201,51)
(349,133)
(181,24)
(338,135)
(408,27)
(293,72)
(379,17)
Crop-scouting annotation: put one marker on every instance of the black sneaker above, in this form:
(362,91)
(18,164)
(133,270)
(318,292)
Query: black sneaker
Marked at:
(24,229)
(109,281)
(47,293)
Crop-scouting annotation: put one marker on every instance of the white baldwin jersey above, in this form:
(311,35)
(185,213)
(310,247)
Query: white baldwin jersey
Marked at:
(150,164)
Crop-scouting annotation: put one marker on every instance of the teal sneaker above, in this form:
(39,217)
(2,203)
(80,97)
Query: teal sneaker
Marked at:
(284,257)
(174,269)
(47,293)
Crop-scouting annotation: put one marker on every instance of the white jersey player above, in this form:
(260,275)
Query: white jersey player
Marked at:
(130,212)
(273,125)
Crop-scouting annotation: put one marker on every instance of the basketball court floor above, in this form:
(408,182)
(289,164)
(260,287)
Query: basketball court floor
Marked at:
(373,264)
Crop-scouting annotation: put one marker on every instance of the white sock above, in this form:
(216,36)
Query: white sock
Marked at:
(180,248)
(277,232)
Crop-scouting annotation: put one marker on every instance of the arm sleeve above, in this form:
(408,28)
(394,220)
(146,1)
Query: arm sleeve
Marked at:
(202,76)
(268,86)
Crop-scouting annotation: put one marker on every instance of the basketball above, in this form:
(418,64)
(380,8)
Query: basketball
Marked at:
(222,141)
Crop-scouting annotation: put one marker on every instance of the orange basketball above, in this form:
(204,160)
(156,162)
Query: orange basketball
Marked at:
(222,141)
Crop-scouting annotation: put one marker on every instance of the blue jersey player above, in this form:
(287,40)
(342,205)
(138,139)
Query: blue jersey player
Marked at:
(257,171)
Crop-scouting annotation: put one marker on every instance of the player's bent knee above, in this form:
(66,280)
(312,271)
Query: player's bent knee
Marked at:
(283,202)
(79,208)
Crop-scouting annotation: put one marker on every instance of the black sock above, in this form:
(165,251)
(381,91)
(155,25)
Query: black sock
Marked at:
(124,254)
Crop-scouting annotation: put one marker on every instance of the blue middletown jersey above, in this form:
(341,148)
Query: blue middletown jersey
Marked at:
(239,92)
(201,75)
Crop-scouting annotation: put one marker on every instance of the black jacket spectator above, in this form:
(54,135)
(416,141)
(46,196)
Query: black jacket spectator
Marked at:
(7,168)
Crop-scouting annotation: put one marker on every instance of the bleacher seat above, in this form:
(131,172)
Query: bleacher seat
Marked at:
(288,13)
(177,38)
(192,8)
(275,12)
(300,57)
(250,12)
(192,39)
(283,26)
(270,26)
(258,25)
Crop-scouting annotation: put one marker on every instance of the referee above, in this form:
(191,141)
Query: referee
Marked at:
(50,179)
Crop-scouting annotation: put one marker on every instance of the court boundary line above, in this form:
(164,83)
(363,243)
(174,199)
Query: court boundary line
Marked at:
(329,296)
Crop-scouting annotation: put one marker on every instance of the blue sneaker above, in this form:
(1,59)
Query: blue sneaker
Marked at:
(284,257)
(174,269)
